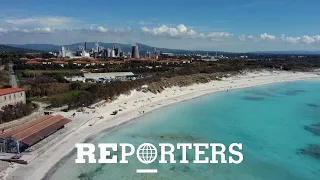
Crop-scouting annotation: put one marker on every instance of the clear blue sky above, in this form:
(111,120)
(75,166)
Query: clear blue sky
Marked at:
(228,25)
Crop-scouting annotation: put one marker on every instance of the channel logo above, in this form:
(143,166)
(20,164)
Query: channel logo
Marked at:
(147,153)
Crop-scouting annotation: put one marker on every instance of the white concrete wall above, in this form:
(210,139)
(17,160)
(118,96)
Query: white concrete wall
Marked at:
(12,98)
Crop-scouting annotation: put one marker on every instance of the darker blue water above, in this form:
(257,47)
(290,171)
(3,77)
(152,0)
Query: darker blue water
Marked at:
(273,122)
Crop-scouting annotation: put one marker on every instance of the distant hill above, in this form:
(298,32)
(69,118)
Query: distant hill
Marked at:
(143,48)
(5,48)
(125,47)
(288,52)
(38,47)
(75,46)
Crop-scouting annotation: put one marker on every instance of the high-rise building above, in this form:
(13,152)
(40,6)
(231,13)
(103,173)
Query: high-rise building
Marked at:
(148,54)
(135,52)
(108,52)
(113,54)
(63,52)
(121,54)
(117,50)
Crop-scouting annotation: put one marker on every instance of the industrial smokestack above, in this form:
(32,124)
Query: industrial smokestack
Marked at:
(135,52)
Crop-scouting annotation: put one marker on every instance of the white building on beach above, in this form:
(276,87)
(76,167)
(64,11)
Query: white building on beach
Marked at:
(12,96)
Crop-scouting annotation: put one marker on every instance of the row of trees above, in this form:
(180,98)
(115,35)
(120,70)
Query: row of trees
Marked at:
(46,89)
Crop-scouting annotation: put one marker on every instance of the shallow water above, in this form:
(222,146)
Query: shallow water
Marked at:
(268,120)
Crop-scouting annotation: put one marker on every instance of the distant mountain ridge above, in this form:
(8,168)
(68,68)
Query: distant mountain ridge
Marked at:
(75,46)
(143,48)
(38,47)
(90,45)
(288,52)
(5,48)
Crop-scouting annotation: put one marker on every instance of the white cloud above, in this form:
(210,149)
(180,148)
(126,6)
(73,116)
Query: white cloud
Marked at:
(308,39)
(244,37)
(162,31)
(33,30)
(219,35)
(62,30)
(182,31)
(293,40)
(266,36)
(301,40)
(54,21)
(122,30)
(102,29)
(2,30)
(45,30)
(182,28)
(91,29)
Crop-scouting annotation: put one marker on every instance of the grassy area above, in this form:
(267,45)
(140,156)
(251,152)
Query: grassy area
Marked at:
(31,73)
(57,96)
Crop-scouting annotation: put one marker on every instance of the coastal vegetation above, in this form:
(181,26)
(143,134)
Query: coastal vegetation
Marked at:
(4,73)
(46,83)
(63,72)
(4,78)
(9,113)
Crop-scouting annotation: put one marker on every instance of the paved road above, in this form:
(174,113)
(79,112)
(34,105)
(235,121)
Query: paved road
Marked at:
(13,79)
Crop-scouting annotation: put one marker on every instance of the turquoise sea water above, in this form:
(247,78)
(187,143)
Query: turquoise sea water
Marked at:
(268,120)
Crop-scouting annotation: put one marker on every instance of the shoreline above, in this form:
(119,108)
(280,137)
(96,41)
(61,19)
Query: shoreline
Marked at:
(47,162)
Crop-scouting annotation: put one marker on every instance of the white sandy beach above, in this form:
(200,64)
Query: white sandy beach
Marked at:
(132,107)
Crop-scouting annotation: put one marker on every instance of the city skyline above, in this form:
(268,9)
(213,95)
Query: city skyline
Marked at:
(234,26)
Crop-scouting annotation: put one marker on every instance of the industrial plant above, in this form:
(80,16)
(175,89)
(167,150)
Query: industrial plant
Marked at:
(99,51)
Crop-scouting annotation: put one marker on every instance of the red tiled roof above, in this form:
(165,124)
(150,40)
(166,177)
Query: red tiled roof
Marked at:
(33,62)
(59,62)
(10,90)
(22,127)
(33,131)
(169,61)
(142,59)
